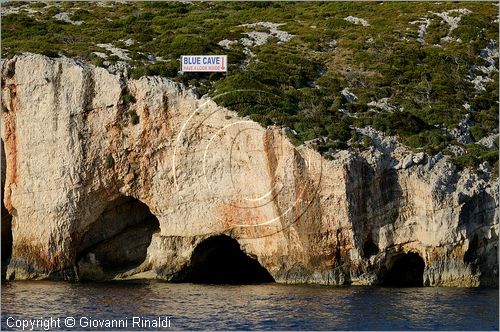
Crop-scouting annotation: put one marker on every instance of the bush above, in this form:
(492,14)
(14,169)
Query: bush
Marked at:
(429,141)
(165,69)
(334,145)
(189,44)
(366,141)
(487,120)
(495,170)
(127,99)
(477,132)
(82,15)
(399,123)
(339,131)
(134,118)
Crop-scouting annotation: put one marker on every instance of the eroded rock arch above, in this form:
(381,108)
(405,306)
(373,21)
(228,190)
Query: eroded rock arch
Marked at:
(117,242)
(220,260)
(406,270)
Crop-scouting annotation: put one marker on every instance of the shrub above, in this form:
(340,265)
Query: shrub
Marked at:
(366,141)
(82,15)
(399,123)
(495,170)
(134,118)
(165,69)
(429,141)
(334,145)
(477,132)
(339,131)
(127,99)
(189,44)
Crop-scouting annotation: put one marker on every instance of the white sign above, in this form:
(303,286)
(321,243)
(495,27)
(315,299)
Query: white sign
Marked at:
(204,63)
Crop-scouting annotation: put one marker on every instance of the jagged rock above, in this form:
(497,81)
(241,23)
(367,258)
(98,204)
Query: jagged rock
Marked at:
(461,133)
(382,104)
(72,153)
(489,141)
(317,141)
(418,158)
(456,150)
(407,161)
(288,130)
(357,21)
(386,144)
(433,160)
(348,95)
(118,67)
(485,168)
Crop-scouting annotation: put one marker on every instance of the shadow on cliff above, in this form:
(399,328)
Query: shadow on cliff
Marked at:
(6,221)
(476,217)
(6,239)
(375,198)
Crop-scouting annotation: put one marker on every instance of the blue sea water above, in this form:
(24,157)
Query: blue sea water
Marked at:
(252,307)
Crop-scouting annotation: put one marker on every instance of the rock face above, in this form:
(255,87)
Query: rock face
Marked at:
(98,187)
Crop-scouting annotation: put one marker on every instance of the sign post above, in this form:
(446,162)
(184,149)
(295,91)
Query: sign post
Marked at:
(204,63)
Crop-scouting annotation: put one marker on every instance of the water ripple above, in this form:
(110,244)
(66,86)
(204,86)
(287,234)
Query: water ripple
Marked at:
(263,307)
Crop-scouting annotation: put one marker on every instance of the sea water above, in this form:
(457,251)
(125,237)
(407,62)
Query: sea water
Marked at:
(162,306)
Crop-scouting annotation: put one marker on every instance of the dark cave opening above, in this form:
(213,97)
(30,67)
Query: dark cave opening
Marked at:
(6,236)
(6,217)
(118,240)
(406,271)
(220,260)
(369,248)
(472,255)
(6,239)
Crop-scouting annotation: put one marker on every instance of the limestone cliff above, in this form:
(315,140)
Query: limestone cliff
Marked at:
(100,184)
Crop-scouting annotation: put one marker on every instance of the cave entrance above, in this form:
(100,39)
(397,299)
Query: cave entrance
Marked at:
(118,240)
(369,248)
(220,260)
(6,239)
(406,271)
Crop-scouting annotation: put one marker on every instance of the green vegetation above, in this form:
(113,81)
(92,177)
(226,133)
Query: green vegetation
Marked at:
(494,172)
(411,130)
(134,118)
(297,83)
(168,69)
(476,154)
(128,99)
